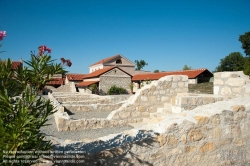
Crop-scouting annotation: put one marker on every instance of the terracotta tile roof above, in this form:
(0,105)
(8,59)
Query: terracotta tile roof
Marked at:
(56,81)
(98,72)
(15,65)
(105,60)
(86,83)
(155,76)
(75,77)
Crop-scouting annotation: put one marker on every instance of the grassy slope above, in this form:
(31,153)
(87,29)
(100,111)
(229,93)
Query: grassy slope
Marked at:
(206,87)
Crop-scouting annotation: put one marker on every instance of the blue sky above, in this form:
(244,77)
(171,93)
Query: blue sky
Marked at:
(165,33)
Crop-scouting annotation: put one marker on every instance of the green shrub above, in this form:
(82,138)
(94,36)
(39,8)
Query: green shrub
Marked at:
(114,90)
(22,111)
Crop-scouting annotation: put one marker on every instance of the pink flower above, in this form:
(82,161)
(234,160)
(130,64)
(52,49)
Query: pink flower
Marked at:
(49,50)
(2,34)
(42,49)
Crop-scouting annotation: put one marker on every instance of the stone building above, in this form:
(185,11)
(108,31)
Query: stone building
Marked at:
(105,78)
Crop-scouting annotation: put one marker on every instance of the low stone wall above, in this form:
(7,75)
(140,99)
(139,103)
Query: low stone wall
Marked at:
(152,96)
(92,107)
(214,134)
(189,101)
(234,84)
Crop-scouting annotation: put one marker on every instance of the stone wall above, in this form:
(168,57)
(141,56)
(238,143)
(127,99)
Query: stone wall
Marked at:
(189,101)
(214,134)
(114,77)
(233,84)
(150,97)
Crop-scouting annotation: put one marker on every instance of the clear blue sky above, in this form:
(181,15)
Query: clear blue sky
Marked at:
(165,33)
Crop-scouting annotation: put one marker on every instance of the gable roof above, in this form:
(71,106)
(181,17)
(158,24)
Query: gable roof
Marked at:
(110,59)
(99,72)
(86,83)
(105,60)
(75,77)
(155,76)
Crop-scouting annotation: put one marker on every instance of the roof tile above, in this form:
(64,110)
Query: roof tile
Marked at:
(75,77)
(86,83)
(155,76)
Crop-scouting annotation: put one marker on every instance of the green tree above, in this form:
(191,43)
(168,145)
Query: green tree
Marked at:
(156,71)
(245,40)
(140,64)
(247,66)
(186,67)
(233,62)
(22,111)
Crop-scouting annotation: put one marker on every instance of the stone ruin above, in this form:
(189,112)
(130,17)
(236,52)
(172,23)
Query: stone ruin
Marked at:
(170,125)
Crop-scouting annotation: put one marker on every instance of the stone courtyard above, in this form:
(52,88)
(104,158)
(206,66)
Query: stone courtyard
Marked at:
(162,124)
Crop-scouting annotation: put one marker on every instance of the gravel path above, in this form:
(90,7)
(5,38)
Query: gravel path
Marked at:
(84,135)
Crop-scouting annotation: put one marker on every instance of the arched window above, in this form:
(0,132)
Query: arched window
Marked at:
(118,61)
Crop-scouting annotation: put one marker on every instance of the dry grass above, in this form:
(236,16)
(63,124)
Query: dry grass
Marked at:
(206,88)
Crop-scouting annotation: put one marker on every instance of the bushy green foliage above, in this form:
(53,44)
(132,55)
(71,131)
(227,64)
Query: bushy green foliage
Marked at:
(245,41)
(186,67)
(93,88)
(114,90)
(140,64)
(233,62)
(22,111)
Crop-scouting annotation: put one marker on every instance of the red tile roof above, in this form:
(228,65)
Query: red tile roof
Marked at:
(56,81)
(86,83)
(15,65)
(155,76)
(105,60)
(75,77)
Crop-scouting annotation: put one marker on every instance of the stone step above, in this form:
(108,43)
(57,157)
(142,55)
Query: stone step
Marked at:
(164,110)
(167,105)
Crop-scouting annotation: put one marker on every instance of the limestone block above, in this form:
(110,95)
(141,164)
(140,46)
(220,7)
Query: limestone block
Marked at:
(184,138)
(165,98)
(237,108)
(177,77)
(216,90)
(189,149)
(180,84)
(195,135)
(218,82)
(216,133)
(162,92)
(223,142)
(239,142)
(215,119)
(171,140)
(201,120)
(236,90)
(217,75)
(142,108)
(225,74)
(209,146)
(184,78)
(235,82)
(174,85)
(135,114)
(195,101)
(161,139)
(226,91)
(207,100)
(156,92)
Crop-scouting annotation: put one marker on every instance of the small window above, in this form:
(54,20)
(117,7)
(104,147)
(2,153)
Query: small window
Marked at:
(119,61)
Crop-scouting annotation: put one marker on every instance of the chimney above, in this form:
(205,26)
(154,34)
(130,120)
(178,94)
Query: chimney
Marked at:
(21,60)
